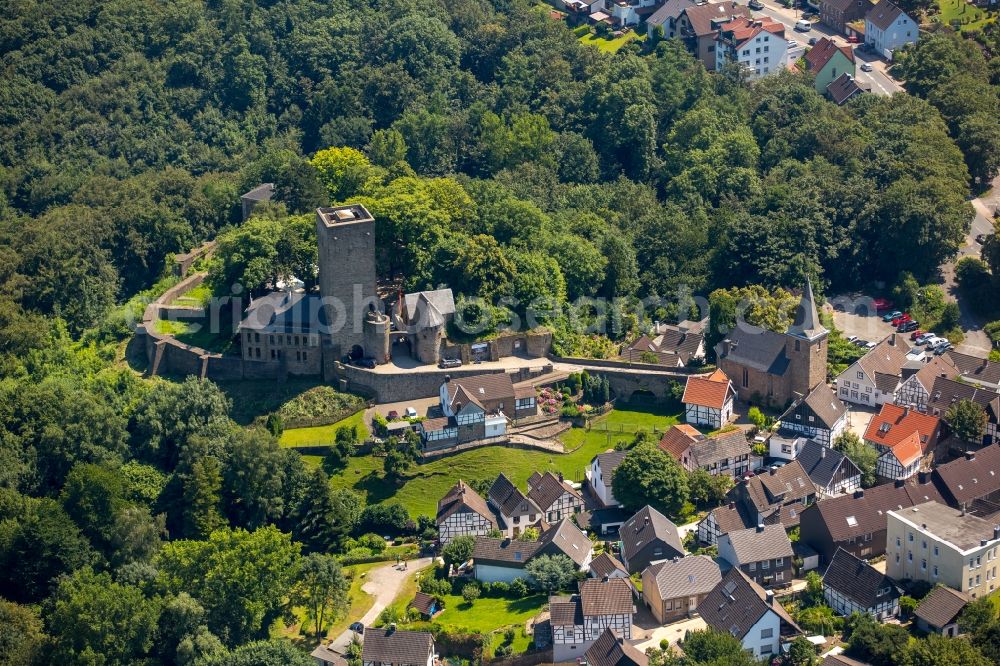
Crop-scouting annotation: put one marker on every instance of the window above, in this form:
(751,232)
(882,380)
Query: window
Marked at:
(923,565)
(746,378)
(924,544)
(767,633)
(861,375)
(909,556)
(766,564)
(797,345)
(752,566)
(779,562)
(909,537)
(970,581)
(766,649)
(935,571)
(977,579)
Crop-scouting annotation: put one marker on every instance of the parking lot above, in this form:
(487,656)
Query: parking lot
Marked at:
(865,326)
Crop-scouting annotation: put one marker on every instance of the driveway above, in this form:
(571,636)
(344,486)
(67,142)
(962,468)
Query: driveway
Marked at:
(384,583)
(672,633)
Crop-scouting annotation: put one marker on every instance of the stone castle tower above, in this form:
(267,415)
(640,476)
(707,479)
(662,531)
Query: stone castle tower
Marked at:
(806,346)
(346,240)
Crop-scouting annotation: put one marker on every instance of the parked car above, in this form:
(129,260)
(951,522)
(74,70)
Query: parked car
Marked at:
(410,413)
(812,41)
(852,339)
(393,414)
(932,342)
(908,326)
(882,303)
(859,342)
(792,44)
(892,315)
(450,362)
(756,5)
(924,338)
(918,333)
(981,238)
(357,628)
(942,347)
(869,345)
(853,39)
(902,319)
(803,25)
(365,362)
(866,67)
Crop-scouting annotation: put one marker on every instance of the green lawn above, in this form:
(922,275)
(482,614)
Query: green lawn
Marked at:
(323,435)
(970,16)
(195,334)
(427,483)
(359,600)
(195,298)
(610,45)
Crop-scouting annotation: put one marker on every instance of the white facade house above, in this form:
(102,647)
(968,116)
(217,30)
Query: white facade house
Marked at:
(708,401)
(580,620)
(874,378)
(742,608)
(888,28)
(601,473)
(463,512)
(757,45)
(819,416)
(626,12)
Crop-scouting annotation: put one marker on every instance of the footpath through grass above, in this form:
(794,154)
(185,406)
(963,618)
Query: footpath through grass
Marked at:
(425,484)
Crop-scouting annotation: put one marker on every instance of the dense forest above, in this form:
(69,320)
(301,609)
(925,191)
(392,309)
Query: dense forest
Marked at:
(138,522)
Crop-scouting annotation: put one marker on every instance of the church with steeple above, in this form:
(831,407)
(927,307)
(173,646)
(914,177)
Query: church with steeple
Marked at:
(776,368)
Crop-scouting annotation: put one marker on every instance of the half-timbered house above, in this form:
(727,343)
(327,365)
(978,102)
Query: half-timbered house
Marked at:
(851,585)
(463,512)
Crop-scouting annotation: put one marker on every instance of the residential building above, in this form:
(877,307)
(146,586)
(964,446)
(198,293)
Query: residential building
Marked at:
(936,543)
(721,520)
(463,512)
(556,498)
(757,45)
(699,25)
(610,649)
(325,655)
(427,605)
(888,28)
(851,585)
(607,565)
(938,612)
(764,553)
(672,346)
(838,13)
(874,378)
(722,453)
(826,61)
(843,89)
(663,22)
(630,12)
(973,481)
(514,510)
(743,609)
(476,408)
(601,473)
(777,496)
(831,471)
(673,589)
(946,392)
(260,194)
(820,416)
(916,390)
(708,401)
(776,367)
(577,622)
(901,436)
(976,370)
(857,522)
(648,537)
(397,647)
(505,559)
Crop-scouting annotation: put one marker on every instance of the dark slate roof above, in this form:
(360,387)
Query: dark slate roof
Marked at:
(547,488)
(737,603)
(864,512)
(717,448)
(423,601)
(857,580)
(751,545)
(975,368)
(610,650)
(397,646)
(262,192)
(505,495)
(609,461)
(730,518)
(785,484)
(646,526)
(282,311)
(505,552)
(461,496)
(841,660)
(945,392)
(821,463)
(495,386)
(826,405)
(702,16)
(689,576)
(843,88)
(606,564)
(568,539)
(759,349)
(883,14)
(669,9)
(605,597)
(971,477)
(941,606)
(442,301)
(806,323)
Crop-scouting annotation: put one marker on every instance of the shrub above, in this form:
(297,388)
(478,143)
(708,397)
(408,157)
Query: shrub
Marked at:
(500,589)
(907,605)
(518,588)
(470,593)
(508,635)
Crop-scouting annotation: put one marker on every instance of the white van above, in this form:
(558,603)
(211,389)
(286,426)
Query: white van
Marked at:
(803,25)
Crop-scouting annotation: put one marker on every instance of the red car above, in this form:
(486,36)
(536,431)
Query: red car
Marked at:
(882,304)
(854,39)
(916,334)
(900,320)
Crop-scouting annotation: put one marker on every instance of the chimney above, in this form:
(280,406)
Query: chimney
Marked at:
(392,628)
(970,455)
(447,378)
(760,527)
(859,493)
(645,520)
(906,412)
(732,505)
(561,476)
(605,578)
(822,452)
(924,476)
(996,531)
(773,471)
(892,340)
(769,595)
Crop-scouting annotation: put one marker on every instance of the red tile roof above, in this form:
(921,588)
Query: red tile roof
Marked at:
(821,53)
(711,391)
(679,439)
(894,424)
(908,450)
(742,29)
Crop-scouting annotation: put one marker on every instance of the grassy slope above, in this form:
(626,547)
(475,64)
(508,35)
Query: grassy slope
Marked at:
(428,483)
(322,435)
(609,45)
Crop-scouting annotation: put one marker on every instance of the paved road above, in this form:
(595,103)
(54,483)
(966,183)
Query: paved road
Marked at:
(976,341)
(879,82)
(384,583)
